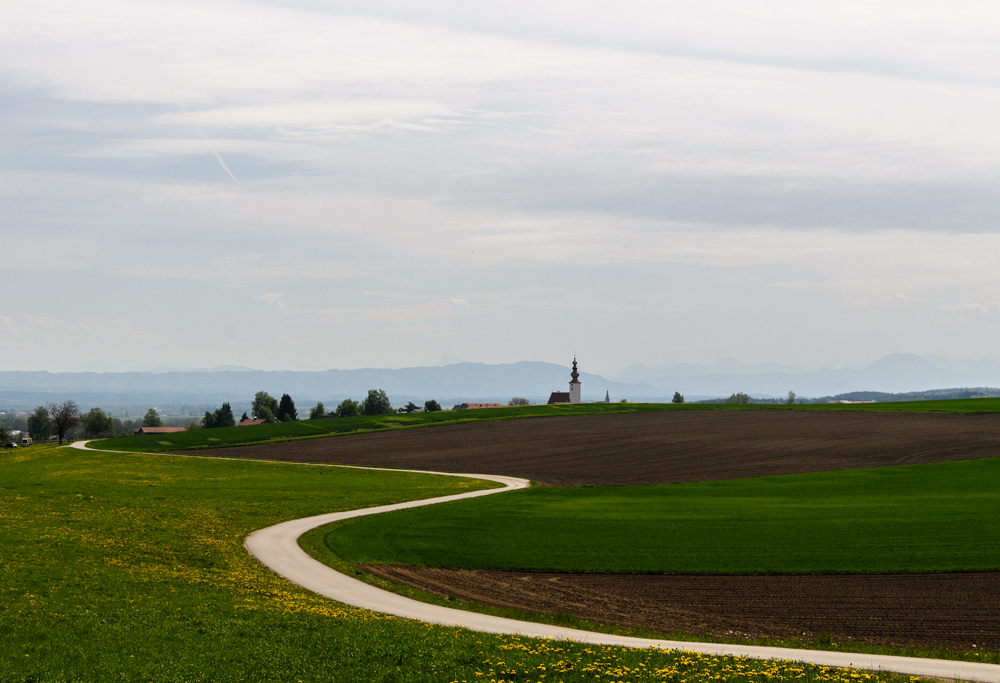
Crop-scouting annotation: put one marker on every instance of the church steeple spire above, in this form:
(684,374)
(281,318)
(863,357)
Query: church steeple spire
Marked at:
(574,384)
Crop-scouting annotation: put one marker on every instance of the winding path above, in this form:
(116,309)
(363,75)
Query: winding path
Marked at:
(277,548)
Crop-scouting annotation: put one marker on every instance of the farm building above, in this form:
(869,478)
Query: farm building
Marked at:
(251,422)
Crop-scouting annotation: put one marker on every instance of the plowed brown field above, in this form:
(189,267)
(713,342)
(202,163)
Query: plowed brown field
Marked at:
(927,610)
(959,610)
(657,448)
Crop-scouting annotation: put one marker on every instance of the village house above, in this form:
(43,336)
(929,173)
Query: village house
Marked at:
(251,422)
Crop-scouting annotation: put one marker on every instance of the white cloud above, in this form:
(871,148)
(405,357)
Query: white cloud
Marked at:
(792,171)
(315,117)
(274,300)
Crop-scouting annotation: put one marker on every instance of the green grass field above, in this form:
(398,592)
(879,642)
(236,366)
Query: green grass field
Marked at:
(939,517)
(131,568)
(286,431)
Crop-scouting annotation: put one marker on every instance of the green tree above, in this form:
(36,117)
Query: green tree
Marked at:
(317,411)
(127,427)
(376,403)
(738,398)
(152,419)
(518,401)
(791,398)
(222,417)
(347,408)
(411,407)
(262,401)
(65,416)
(4,436)
(286,410)
(677,398)
(96,423)
(40,424)
(432,406)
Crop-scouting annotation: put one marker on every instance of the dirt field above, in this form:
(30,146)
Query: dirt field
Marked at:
(658,448)
(645,448)
(928,610)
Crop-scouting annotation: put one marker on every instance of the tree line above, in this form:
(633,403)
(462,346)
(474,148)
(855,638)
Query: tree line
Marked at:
(61,419)
(266,407)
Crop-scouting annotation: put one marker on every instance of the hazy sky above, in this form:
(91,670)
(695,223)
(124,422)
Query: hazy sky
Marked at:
(307,185)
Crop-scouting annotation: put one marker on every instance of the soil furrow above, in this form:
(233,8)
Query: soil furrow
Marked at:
(957,610)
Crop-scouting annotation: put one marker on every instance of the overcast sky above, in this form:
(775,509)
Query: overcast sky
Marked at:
(313,185)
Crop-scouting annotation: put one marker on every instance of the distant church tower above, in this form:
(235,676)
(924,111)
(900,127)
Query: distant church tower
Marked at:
(574,385)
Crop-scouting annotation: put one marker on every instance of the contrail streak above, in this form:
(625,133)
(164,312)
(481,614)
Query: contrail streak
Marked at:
(218,156)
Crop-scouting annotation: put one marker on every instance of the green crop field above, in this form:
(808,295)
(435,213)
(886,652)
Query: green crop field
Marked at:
(286,431)
(131,568)
(939,517)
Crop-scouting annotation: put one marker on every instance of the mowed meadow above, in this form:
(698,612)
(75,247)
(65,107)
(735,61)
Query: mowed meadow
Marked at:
(132,568)
(913,518)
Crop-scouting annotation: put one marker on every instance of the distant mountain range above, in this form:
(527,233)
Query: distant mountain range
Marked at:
(898,372)
(448,384)
(460,381)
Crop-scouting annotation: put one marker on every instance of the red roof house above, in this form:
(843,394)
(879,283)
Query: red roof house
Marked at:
(251,422)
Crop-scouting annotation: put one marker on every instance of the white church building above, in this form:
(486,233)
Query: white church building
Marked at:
(571,396)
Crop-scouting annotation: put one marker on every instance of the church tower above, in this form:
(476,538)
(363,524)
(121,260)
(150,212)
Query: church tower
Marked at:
(574,385)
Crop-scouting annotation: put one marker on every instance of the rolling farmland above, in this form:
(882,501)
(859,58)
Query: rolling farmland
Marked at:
(628,448)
